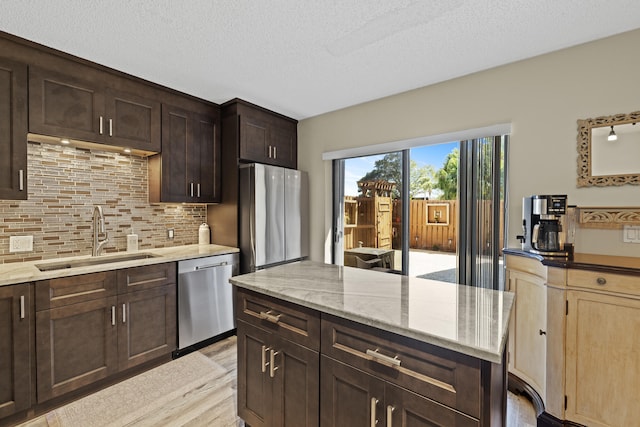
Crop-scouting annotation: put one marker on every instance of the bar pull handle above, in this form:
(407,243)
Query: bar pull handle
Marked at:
(22,312)
(198,188)
(390,410)
(191,188)
(374,403)
(270,317)
(113,315)
(101,125)
(110,127)
(272,363)
(275,152)
(124,313)
(21,177)
(393,362)
(204,267)
(269,151)
(264,362)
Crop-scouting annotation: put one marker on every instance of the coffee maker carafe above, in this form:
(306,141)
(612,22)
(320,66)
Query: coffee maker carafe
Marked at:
(542,222)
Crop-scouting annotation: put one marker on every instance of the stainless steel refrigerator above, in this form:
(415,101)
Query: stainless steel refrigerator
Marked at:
(274,216)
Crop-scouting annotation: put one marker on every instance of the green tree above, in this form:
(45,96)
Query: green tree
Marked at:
(447,176)
(423,180)
(388,168)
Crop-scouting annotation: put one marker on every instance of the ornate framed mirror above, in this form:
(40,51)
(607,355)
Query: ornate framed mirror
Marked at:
(603,160)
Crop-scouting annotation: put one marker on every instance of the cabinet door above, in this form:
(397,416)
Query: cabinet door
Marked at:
(403,408)
(284,142)
(132,121)
(147,325)
(349,397)
(254,139)
(75,346)
(254,387)
(173,174)
(15,348)
(204,159)
(295,374)
(527,334)
(603,359)
(13,130)
(65,106)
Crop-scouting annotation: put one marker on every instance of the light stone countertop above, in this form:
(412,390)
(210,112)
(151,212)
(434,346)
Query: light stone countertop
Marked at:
(466,319)
(23,272)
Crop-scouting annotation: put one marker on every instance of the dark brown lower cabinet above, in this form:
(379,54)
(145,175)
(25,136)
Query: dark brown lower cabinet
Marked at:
(16,348)
(352,397)
(147,327)
(278,381)
(76,346)
(86,331)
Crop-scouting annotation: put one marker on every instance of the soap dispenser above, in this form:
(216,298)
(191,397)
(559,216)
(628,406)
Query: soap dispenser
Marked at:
(132,241)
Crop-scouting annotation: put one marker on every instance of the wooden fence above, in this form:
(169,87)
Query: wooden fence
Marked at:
(433,224)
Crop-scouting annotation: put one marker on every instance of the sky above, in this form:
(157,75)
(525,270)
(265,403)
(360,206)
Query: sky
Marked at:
(356,168)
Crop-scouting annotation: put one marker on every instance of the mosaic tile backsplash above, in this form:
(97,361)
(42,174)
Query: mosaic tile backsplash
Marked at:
(65,183)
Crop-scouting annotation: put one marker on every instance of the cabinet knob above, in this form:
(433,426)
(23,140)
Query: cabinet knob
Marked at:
(543,332)
(601,281)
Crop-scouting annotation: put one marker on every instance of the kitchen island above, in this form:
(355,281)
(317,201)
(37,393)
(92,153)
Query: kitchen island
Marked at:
(328,345)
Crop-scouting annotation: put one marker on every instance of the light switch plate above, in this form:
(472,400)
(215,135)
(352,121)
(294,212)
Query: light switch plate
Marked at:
(20,243)
(631,234)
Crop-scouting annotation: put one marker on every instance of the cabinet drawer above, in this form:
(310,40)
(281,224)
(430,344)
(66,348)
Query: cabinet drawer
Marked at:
(145,277)
(607,282)
(64,291)
(298,324)
(527,265)
(444,376)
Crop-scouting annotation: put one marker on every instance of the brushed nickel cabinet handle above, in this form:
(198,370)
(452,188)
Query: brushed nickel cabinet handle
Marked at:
(101,125)
(601,281)
(374,403)
(269,151)
(275,152)
(393,362)
(113,315)
(390,410)
(264,362)
(191,188)
(272,363)
(22,313)
(21,177)
(110,127)
(198,188)
(270,317)
(124,313)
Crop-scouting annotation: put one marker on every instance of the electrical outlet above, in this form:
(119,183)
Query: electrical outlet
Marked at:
(631,234)
(170,233)
(20,243)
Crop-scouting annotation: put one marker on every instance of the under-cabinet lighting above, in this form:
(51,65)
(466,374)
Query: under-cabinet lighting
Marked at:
(127,150)
(64,141)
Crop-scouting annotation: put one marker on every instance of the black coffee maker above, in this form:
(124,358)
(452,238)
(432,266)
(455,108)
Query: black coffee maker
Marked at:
(542,223)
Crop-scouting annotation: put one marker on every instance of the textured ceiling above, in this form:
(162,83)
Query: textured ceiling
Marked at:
(307,57)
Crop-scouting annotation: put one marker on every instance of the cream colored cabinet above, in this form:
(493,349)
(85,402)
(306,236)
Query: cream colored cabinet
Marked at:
(603,349)
(527,331)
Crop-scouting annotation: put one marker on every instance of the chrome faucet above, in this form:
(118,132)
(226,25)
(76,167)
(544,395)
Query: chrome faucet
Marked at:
(98,228)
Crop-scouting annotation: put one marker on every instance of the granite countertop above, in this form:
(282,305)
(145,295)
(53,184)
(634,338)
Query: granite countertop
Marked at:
(466,319)
(22,272)
(594,262)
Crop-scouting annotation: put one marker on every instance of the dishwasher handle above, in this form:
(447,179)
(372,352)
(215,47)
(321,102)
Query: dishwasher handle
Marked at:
(205,267)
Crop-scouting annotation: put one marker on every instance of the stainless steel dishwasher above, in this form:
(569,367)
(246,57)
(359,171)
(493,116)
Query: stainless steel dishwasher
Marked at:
(205,299)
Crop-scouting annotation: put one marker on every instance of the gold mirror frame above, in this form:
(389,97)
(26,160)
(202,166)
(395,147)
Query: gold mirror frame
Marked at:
(585,179)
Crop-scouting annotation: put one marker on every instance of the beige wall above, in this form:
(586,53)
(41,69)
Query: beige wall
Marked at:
(541,97)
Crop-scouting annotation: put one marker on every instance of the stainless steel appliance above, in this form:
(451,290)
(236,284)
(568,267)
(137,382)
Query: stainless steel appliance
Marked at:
(544,225)
(274,215)
(205,299)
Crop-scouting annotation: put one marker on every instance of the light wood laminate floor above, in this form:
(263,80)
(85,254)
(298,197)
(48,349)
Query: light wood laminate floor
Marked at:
(214,404)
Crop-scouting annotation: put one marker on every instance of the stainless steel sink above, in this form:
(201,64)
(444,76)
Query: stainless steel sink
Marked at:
(50,266)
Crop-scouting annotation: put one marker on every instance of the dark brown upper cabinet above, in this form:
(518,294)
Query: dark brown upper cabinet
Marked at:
(13,130)
(265,136)
(85,104)
(188,169)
